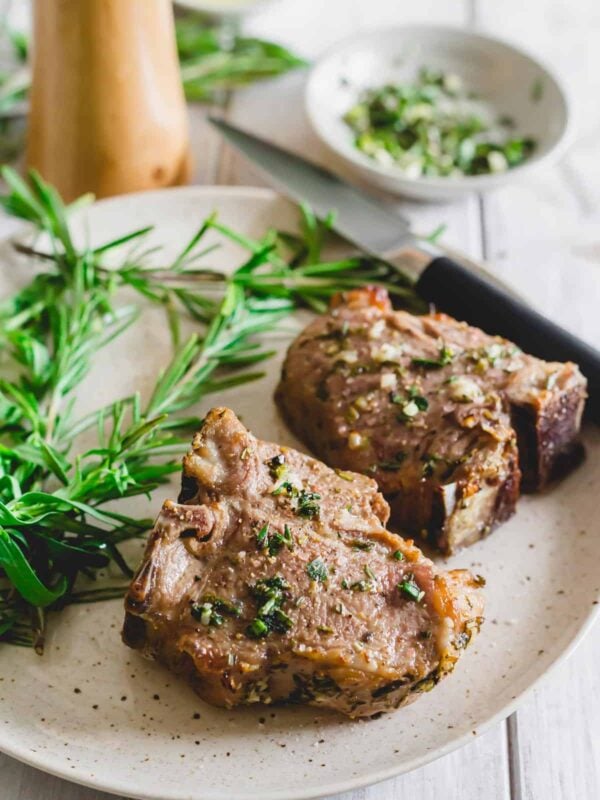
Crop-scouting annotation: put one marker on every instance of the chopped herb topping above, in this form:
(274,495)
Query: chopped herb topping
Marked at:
(336,333)
(369,573)
(352,414)
(304,503)
(398,555)
(268,587)
(410,588)
(324,629)
(222,605)
(429,462)
(489,356)
(362,585)
(317,570)
(421,402)
(493,352)
(445,357)
(270,594)
(361,544)
(411,405)
(346,476)
(409,410)
(435,126)
(281,622)
(273,542)
(359,586)
(286,488)
(307,504)
(206,614)
(257,629)
(277,467)
(393,464)
(262,537)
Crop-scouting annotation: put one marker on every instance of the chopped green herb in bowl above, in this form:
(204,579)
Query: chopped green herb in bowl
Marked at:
(435,126)
(434,112)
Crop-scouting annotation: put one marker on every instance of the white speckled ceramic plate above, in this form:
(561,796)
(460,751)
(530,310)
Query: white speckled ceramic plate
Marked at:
(93,711)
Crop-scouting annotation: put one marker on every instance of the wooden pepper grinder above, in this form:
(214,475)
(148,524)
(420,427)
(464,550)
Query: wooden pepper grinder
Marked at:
(107,112)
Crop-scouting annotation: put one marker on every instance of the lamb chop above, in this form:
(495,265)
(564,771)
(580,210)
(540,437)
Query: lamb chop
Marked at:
(274,579)
(447,419)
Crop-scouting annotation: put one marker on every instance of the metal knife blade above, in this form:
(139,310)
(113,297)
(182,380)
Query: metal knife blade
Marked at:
(359,219)
(451,282)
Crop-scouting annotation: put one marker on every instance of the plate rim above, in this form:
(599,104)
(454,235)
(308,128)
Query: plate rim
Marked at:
(121,788)
(118,787)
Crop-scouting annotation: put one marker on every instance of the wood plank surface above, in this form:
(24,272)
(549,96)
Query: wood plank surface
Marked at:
(544,236)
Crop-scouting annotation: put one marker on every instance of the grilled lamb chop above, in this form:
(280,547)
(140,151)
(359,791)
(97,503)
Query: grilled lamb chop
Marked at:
(274,579)
(443,416)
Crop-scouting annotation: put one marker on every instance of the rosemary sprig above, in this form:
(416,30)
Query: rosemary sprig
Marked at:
(211,61)
(54,522)
(57,517)
(14,86)
(284,270)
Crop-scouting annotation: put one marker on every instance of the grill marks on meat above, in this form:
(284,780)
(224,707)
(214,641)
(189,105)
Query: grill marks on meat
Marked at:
(340,631)
(447,419)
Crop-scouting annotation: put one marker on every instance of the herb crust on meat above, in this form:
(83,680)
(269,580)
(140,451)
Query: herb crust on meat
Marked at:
(448,420)
(274,579)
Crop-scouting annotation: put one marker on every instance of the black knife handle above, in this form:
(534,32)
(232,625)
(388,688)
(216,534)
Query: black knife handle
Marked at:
(465,295)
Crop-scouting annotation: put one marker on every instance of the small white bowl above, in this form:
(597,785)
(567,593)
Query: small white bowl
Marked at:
(512,82)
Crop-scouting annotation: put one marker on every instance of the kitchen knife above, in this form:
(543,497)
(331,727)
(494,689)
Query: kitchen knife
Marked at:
(451,284)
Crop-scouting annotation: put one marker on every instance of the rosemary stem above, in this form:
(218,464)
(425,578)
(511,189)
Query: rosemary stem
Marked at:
(51,330)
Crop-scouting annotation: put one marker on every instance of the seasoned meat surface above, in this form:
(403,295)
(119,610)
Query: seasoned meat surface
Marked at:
(275,579)
(444,417)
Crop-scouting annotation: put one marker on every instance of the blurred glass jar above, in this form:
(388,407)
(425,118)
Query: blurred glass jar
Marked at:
(107,112)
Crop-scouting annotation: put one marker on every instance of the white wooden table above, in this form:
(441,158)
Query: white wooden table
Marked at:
(543,235)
